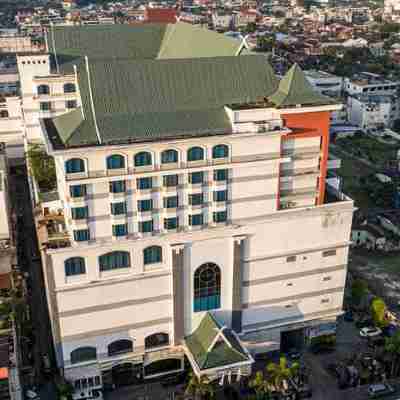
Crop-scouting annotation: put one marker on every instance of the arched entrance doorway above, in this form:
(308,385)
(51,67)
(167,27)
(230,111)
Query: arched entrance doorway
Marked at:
(127,374)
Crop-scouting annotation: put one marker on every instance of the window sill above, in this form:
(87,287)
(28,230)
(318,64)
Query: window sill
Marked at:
(115,272)
(72,279)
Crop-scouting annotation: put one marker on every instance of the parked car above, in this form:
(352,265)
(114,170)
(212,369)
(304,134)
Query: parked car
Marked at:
(370,331)
(32,395)
(364,322)
(389,330)
(294,354)
(379,390)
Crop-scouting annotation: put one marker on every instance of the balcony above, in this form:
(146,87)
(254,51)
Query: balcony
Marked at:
(51,230)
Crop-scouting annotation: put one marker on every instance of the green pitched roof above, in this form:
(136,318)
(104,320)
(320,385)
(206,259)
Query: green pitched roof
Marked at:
(69,44)
(294,89)
(211,353)
(139,100)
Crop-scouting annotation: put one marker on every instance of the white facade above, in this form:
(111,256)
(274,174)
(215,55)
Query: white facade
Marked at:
(325,83)
(371,84)
(288,278)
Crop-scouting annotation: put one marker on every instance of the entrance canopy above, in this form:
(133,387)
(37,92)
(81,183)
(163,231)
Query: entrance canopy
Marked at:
(213,348)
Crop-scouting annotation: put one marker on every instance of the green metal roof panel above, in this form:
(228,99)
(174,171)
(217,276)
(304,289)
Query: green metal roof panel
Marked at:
(294,89)
(187,41)
(219,354)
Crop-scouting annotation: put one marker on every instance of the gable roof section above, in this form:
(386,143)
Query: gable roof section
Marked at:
(139,100)
(210,351)
(294,89)
(69,44)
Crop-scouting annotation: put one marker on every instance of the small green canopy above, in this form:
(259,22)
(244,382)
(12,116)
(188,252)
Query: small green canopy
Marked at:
(294,89)
(213,345)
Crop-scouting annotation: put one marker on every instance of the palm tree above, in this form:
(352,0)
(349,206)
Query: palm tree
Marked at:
(200,388)
(260,386)
(392,348)
(279,373)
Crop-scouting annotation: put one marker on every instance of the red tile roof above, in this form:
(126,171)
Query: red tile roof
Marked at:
(161,15)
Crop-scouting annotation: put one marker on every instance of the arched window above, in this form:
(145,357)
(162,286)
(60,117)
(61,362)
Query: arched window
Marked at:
(83,354)
(195,154)
(156,340)
(114,260)
(115,161)
(43,89)
(74,266)
(152,254)
(220,151)
(75,165)
(169,156)
(69,88)
(120,347)
(4,114)
(207,287)
(143,158)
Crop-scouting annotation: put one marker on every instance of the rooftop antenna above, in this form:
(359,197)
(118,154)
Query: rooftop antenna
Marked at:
(91,100)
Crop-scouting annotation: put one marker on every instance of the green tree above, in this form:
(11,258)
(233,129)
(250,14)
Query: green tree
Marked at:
(43,167)
(378,312)
(200,388)
(65,390)
(359,289)
(260,386)
(278,373)
(251,27)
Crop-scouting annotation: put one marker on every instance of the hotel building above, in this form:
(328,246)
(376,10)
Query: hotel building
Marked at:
(194,218)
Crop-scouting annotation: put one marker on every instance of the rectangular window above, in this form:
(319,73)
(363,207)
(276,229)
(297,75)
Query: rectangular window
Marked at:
(97,380)
(69,104)
(144,183)
(196,219)
(90,382)
(120,230)
(221,195)
(45,106)
(145,205)
(79,212)
(118,208)
(77,190)
(221,175)
(81,235)
(326,278)
(324,301)
(170,180)
(117,187)
(328,253)
(196,177)
(196,199)
(146,226)
(171,202)
(171,223)
(291,259)
(220,216)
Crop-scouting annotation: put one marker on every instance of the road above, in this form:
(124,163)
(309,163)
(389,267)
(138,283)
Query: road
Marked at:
(29,261)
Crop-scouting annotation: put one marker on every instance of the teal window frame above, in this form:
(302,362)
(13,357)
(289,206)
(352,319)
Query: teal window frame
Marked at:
(115,161)
(221,175)
(170,180)
(118,208)
(196,177)
(45,106)
(207,288)
(145,205)
(77,191)
(74,165)
(114,260)
(171,223)
(220,216)
(146,226)
(196,219)
(195,153)
(71,104)
(81,235)
(196,199)
(220,151)
(74,266)
(43,89)
(79,212)
(169,156)
(171,202)
(117,187)
(69,88)
(119,230)
(152,255)
(143,158)
(144,183)
(220,195)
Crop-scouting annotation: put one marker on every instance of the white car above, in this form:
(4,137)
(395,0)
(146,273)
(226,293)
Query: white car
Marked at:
(370,332)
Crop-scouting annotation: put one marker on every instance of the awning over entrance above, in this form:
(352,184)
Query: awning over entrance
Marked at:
(213,348)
